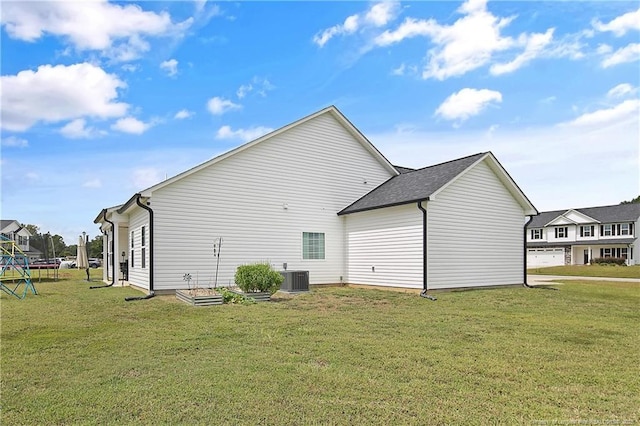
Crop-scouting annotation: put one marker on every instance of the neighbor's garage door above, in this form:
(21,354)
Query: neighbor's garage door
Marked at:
(545,257)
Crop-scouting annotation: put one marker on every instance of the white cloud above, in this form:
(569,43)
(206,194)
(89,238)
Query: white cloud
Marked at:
(114,29)
(182,114)
(145,177)
(93,183)
(400,70)
(131,125)
(474,40)
(225,132)
(243,90)
(260,85)
(629,53)
(218,106)
(381,14)
(629,109)
(550,181)
(130,67)
(603,49)
(463,46)
(170,66)
(620,25)
(77,129)
(535,46)
(59,93)
(466,103)
(14,142)
(621,90)
(378,15)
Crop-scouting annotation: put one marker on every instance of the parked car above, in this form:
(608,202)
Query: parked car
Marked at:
(95,263)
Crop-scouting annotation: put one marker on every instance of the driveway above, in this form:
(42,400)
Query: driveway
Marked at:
(546,279)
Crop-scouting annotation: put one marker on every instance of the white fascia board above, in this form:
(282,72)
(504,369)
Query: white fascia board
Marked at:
(561,220)
(331,109)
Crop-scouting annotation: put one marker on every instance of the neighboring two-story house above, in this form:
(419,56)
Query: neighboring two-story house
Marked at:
(576,236)
(12,230)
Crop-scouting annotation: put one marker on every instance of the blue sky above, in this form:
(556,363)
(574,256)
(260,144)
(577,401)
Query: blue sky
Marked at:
(101,99)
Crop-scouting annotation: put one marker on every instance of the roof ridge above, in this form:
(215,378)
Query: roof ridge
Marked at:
(447,162)
(592,207)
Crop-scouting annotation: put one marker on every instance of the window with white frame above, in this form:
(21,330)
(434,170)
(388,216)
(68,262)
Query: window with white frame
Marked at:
(624,253)
(562,232)
(587,231)
(624,229)
(313,245)
(536,234)
(606,230)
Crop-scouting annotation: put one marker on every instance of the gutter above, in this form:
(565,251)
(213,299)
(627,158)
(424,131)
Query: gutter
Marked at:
(423,293)
(525,283)
(525,253)
(151,241)
(113,255)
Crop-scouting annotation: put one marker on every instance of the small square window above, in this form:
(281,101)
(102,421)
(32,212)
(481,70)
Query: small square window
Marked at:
(313,245)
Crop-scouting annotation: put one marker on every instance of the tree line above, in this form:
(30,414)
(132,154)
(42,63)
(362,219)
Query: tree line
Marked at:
(54,246)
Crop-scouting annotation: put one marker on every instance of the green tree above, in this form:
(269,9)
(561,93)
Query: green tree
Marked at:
(634,201)
(94,248)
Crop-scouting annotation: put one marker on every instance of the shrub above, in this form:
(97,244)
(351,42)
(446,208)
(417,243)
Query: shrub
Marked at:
(258,277)
(609,261)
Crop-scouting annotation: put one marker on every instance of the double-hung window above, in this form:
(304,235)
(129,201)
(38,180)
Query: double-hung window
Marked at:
(586,231)
(606,230)
(624,229)
(562,232)
(312,245)
(536,234)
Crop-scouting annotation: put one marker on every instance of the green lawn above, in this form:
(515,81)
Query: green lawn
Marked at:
(334,356)
(611,271)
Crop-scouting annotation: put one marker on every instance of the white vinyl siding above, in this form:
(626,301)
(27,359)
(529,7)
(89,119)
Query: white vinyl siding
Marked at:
(385,247)
(138,276)
(475,233)
(260,201)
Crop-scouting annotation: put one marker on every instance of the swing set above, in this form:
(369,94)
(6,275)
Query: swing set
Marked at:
(15,275)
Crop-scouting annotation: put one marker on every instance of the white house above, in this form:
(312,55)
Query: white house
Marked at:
(14,231)
(316,195)
(576,236)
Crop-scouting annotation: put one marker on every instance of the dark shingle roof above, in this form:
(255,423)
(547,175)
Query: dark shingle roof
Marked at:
(401,169)
(603,214)
(412,186)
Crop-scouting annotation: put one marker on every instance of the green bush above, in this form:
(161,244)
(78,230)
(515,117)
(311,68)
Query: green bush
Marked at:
(258,277)
(609,261)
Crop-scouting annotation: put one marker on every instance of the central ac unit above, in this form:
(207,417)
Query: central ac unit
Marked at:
(295,281)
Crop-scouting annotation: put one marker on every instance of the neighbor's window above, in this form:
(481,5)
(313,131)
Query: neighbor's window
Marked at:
(624,253)
(586,231)
(624,229)
(131,239)
(313,245)
(562,232)
(536,234)
(606,230)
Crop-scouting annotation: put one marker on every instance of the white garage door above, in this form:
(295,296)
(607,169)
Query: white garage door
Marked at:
(545,257)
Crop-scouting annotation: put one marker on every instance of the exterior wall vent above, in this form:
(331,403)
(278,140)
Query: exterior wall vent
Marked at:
(295,281)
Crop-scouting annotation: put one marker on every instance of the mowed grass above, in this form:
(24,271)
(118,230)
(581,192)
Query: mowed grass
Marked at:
(611,271)
(333,356)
